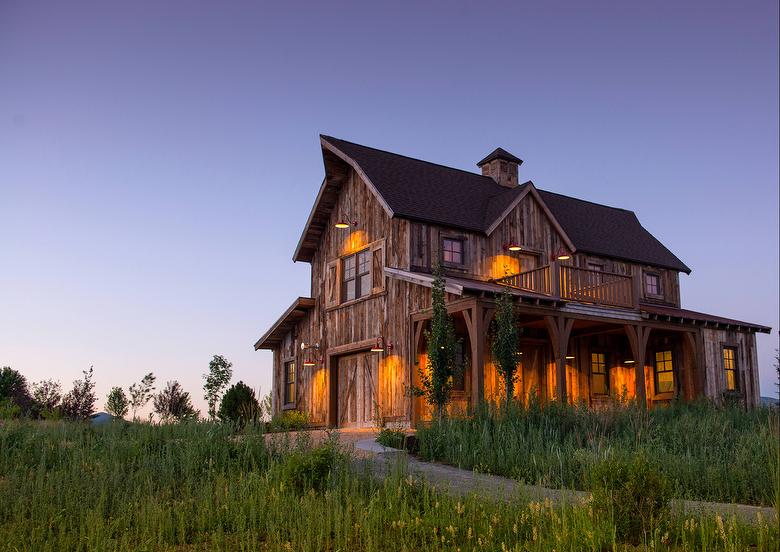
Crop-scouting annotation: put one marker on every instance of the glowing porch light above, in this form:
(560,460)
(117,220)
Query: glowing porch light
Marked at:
(569,357)
(513,246)
(562,255)
(628,362)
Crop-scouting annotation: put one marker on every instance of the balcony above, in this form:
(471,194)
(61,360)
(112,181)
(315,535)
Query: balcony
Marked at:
(582,285)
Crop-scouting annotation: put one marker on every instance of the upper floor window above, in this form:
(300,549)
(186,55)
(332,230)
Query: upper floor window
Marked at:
(652,284)
(664,372)
(289,383)
(357,276)
(598,373)
(452,251)
(596,266)
(730,367)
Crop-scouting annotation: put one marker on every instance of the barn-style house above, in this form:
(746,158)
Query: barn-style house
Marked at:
(597,296)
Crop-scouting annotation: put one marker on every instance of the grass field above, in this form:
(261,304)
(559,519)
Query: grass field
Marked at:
(66,486)
(708,453)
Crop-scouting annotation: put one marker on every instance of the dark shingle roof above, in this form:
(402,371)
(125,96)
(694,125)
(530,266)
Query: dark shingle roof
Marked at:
(500,153)
(429,192)
(609,231)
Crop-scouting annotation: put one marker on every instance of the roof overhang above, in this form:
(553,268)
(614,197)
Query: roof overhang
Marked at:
(684,316)
(338,166)
(274,336)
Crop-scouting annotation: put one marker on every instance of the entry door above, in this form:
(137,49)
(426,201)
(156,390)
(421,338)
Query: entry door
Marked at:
(357,385)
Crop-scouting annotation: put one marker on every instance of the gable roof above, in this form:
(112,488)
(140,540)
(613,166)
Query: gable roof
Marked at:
(275,334)
(609,231)
(428,192)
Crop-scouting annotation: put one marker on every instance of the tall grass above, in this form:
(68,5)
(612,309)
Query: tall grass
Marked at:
(709,453)
(200,487)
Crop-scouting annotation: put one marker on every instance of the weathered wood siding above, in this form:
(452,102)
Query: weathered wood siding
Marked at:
(747,364)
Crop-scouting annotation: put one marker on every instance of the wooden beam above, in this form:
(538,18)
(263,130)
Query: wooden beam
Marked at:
(559,328)
(637,337)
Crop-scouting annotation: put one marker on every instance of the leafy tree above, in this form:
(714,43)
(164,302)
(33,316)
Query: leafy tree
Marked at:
(141,392)
(437,379)
(46,397)
(117,403)
(216,380)
(14,390)
(173,404)
(239,404)
(79,402)
(506,353)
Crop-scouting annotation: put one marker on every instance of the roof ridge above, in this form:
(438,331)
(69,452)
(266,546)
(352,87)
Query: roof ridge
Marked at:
(410,157)
(588,201)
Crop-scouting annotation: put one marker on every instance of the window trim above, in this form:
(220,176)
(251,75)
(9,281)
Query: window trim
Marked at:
(288,402)
(453,237)
(357,277)
(606,392)
(659,286)
(672,370)
(735,369)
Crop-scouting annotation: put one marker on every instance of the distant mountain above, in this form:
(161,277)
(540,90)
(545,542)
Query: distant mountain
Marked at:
(770,401)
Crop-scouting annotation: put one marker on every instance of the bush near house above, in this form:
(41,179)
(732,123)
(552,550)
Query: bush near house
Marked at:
(721,454)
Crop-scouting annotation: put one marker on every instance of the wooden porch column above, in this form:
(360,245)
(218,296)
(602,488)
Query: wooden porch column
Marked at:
(559,328)
(473,318)
(637,337)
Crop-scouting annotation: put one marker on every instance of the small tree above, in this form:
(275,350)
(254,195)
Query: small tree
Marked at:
(216,380)
(14,390)
(239,405)
(116,402)
(437,379)
(141,392)
(46,398)
(79,402)
(506,354)
(173,404)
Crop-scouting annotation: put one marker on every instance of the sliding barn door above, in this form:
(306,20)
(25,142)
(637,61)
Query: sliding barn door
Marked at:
(357,385)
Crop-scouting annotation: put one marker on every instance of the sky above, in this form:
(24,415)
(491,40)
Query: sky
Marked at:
(158,160)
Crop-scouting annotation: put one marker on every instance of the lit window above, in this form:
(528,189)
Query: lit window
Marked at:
(598,373)
(289,382)
(730,367)
(652,284)
(452,251)
(664,372)
(357,277)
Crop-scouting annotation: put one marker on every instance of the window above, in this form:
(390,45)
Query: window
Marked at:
(664,372)
(596,266)
(598,373)
(459,379)
(357,276)
(652,284)
(289,382)
(452,251)
(730,367)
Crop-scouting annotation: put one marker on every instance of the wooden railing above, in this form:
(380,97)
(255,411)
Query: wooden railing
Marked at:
(594,286)
(576,284)
(537,280)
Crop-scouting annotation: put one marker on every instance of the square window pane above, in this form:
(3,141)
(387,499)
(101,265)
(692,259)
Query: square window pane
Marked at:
(365,285)
(665,382)
(731,380)
(350,289)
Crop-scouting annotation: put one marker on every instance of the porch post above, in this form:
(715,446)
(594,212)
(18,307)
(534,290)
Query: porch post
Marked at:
(637,337)
(474,324)
(559,328)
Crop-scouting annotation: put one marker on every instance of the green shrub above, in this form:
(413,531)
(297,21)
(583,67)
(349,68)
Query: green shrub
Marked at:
(309,469)
(393,438)
(239,405)
(289,420)
(632,491)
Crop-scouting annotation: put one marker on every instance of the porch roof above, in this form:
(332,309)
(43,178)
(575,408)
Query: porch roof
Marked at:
(273,337)
(673,314)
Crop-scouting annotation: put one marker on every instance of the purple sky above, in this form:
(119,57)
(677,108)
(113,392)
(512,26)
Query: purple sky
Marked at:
(158,160)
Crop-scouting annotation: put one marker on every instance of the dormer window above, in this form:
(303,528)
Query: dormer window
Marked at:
(452,251)
(652,284)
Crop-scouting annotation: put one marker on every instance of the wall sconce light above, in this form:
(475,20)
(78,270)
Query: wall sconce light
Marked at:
(569,357)
(513,246)
(345,221)
(562,255)
(379,346)
(309,360)
(629,361)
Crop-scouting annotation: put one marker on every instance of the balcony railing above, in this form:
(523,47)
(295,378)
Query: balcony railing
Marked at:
(577,284)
